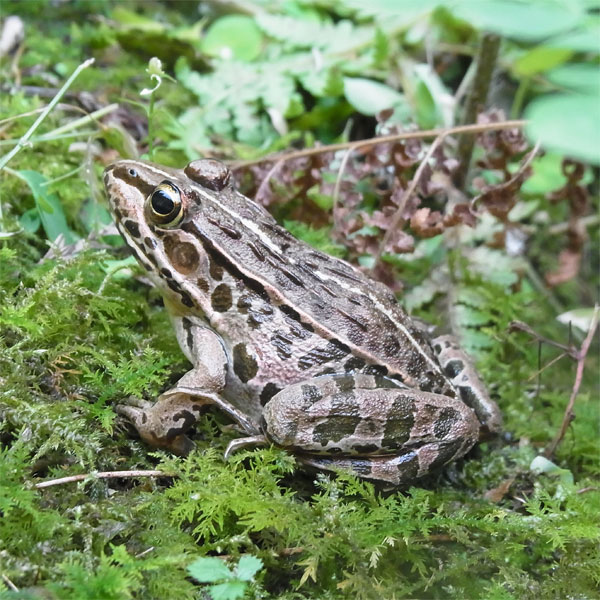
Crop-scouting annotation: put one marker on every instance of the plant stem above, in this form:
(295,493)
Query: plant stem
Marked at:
(486,61)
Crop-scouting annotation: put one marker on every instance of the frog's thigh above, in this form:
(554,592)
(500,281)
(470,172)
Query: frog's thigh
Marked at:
(459,368)
(345,415)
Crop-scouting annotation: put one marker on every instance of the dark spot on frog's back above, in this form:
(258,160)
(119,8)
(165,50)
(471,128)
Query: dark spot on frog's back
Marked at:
(244,364)
(445,422)
(215,270)
(354,364)
(268,392)
(222,298)
(132,227)
(398,428)
(342,421)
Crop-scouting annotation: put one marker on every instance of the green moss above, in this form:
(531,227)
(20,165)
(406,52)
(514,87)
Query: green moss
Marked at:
(78,336)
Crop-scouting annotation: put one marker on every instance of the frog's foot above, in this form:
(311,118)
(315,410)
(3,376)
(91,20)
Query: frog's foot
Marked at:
(459,367)
(163,424)
(235,445)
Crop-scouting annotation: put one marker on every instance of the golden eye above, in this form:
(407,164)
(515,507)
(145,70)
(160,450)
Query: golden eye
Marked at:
(164,206)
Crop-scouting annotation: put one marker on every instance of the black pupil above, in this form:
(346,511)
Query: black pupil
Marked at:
(162,203)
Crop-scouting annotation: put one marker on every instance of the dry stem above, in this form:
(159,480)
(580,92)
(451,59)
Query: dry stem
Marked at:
(569,414)
(101,475)
(406,135)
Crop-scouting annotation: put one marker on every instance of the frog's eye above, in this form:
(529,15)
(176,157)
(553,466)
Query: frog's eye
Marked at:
(164,206)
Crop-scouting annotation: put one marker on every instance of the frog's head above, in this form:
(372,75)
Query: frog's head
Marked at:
(158,210)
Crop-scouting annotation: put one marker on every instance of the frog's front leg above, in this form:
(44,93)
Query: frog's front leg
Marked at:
(163,424)
(371,425)
(459,368)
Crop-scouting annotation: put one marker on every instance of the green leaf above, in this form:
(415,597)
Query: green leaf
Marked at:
(586,39)
(580,77)
(248,567)
(30,220)
(209,569)
(431,96)
(547,175)
(371,97)
(233,36)
(134,20)
(578,317)
(49,208)
(228,591)
(521,19)
(566,123)
(540,59)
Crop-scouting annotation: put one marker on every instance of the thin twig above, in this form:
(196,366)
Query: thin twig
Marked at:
(101,475)
(265,182)
(338,180)
(520,326)
(542,369)
(586,222)
(406,135)
(569,415)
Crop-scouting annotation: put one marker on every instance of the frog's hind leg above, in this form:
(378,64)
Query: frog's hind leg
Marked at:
(396,470)
(459,368)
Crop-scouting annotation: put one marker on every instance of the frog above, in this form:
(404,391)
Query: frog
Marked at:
(299,349)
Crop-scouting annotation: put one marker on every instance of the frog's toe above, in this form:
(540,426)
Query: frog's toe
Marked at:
(134,411)
(235,445)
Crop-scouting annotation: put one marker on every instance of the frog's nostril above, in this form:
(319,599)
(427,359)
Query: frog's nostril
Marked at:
(132,172)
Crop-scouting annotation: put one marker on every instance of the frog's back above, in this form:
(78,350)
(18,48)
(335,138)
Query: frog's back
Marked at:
(323,293)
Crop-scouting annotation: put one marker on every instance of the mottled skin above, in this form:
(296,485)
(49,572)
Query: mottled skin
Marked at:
(299,348)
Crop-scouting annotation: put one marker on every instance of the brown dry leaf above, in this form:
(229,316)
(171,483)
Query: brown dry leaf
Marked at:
(427,223)
(496,494)
(461,214)
(569,261)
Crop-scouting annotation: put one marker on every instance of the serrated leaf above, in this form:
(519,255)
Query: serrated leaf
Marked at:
(472,340)
(228,591)
(312,33)
(248,567)
(209,569)
(468,316)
